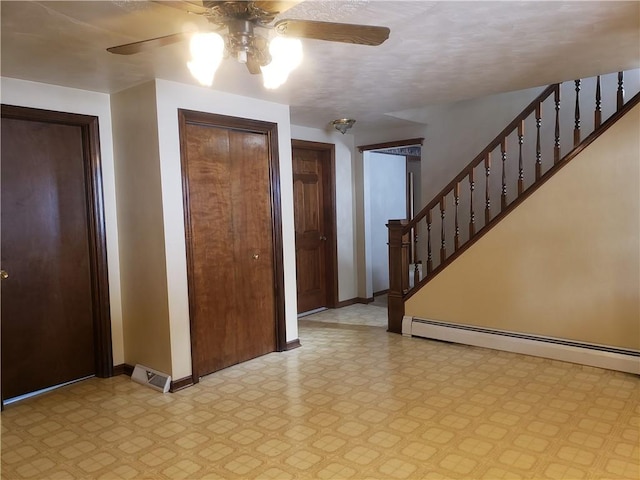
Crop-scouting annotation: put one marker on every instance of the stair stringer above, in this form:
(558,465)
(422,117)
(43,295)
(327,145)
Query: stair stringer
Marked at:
(562,265)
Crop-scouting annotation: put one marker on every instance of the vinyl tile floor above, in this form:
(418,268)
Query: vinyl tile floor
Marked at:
(354,402)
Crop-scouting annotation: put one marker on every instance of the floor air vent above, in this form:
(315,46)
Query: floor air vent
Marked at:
(151,378)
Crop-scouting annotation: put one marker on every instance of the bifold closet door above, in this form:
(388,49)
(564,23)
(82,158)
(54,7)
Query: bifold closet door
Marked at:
(230,245)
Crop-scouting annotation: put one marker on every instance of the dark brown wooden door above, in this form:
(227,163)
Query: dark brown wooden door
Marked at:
(230,245)
(314,225)
(47,308)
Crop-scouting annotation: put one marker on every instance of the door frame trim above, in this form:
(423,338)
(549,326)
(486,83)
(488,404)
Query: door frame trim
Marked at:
(328,151)
(94,201)
(246,125)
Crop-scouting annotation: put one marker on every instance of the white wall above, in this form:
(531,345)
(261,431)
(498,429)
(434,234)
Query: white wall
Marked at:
(170,97)
(415,168)
(385,186)
(459,131)
(345,211)
(50,97)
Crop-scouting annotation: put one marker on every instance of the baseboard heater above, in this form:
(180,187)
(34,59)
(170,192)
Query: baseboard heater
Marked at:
(151,378)
(594,355)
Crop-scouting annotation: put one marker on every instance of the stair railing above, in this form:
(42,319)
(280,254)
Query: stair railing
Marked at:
(464,210)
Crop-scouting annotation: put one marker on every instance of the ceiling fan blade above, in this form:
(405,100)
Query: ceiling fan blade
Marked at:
(145,45)
(276,6)
(333,32)
(192,6)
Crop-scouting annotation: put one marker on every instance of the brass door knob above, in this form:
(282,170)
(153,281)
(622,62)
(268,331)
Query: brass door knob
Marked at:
(255,256)
(3,275)
(322,237)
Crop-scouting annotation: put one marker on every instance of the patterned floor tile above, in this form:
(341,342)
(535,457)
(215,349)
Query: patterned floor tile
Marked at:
(354,402)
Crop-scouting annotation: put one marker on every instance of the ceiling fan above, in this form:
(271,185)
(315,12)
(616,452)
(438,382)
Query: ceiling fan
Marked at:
(236,21)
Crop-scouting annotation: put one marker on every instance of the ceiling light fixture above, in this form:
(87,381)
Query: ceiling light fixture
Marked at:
(343,124)
(232,35)
(207,50)
(275,59)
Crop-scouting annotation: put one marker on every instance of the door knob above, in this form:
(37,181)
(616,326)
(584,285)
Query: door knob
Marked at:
(322,237)
(3,275)
(255,256)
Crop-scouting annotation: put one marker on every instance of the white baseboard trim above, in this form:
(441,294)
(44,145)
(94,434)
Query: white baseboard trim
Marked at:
(602,356)
(406,326)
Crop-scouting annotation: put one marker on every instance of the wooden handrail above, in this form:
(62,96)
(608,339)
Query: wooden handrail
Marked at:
(401,230)
(527,193)
(481,156)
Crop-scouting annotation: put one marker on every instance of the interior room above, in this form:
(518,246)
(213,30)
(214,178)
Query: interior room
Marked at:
(320,239)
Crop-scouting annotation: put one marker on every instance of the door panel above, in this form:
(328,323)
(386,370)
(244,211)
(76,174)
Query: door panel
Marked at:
(230,243)
(308,261)
(209,176)
(253,245)
(311,241)
(47,307)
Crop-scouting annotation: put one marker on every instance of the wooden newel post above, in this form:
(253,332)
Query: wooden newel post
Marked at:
(398,274)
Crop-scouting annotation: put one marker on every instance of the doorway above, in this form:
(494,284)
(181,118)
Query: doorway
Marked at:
(392,178)
(231,194)
(315,225)
(55,317)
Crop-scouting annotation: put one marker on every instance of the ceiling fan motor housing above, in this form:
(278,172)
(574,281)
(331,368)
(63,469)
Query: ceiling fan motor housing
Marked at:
(243,43)
(240,38)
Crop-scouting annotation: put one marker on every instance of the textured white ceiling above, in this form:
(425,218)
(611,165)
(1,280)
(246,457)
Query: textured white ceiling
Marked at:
(437,51)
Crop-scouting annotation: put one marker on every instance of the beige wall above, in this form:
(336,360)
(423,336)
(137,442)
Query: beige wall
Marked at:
(565,263)
(140,223)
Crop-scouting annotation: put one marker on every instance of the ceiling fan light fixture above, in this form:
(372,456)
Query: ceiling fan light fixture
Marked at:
(343,124)
(275,59)
(207,50)
(286,51)
(286,56)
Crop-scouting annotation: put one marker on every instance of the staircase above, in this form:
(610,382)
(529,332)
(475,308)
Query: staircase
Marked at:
(524,156)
